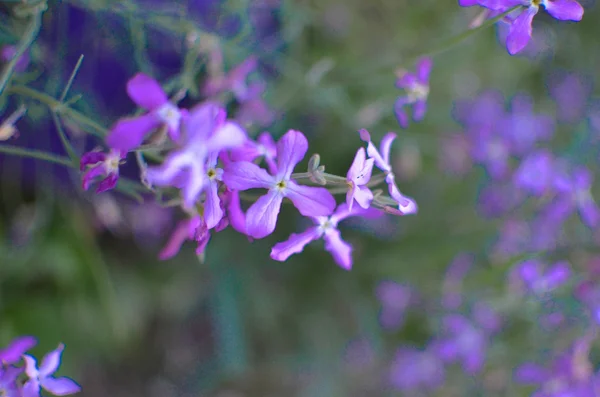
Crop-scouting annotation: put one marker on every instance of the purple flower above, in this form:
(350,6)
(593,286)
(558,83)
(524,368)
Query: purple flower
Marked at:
(416,87)
(524,128)
(101,165)
(8,381)
(456,272)
(8,52)
(43,378)
(414,369)
(261,217)
(520,29)
(358,176)
(571,92)
(192,168)
(12,353)
(251,150)
(462,342)
(395,299)
(326,228)
(129,133)
(536,173)
(194,229)
(540,280)
(406,205)
(575,194)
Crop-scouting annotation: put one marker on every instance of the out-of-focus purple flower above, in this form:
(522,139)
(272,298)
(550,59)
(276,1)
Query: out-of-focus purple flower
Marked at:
(513,239)
(42,377)
(129,133)
(575,194)
(497,199)
(8,52)
(358,176)
(12,353)
(395,299)
(571,93)
(206,132)
(482,119)
(455,154)
(193,229)
(452,294)
(104,166)
(520,29)
(251,150)
(416,87)
(414,369)
(462,342)
(406,205)
(261,217)
(536,174)
(539,279)
(326,228)
(9,386)
(524,127)
(570,374)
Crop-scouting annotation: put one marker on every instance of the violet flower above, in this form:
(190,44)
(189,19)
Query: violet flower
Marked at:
(12,353)
(525,128)
(104,166)
(406,205)
(261,217)
(571,93)
(575,194)
(455,273)
(463,342)
(395,299)
(521,29)
(8,381)
(416,87)
(42,377)
(206,132)
(129,133)
(193,229)
(263,147)
(357,178)
(541,280)
(414,369)
(536,174)
(326,228)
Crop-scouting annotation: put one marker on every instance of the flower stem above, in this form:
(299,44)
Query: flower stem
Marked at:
(33,28)
(36,154)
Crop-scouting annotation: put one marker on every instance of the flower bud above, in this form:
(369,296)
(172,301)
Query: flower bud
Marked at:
(7,128)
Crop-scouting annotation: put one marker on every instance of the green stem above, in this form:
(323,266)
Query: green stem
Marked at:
(65,141)
(71,78)
(36,154)
(58,107)
(33,28)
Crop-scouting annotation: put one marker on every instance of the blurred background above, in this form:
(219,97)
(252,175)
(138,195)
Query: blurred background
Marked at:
(82,268)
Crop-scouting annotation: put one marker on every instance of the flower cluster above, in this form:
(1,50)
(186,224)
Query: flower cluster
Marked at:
(210,161)
(28,379)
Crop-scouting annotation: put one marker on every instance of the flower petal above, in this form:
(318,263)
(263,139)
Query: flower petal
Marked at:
(310,201)
(244,175)
(406,205)
(357,165)
(226,136)
(338,248)
(91,158)
(51,361)
(31,388)
(424,69)
(236,216)
(363,196)
(108,183)
(400,111)
(16,348)
(291,149)
(212,206)
(178,237)
(520,31)
(294,244)
(146,92)
(530,373)
(60,386)
(261,217)
(129,133)
(419,109)
(564,10)
(30,366)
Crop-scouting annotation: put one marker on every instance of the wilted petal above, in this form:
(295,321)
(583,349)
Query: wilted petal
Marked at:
(51,361)
(244,175)
(261,217)
(129,133)
(60,386)
(564,10)
(146,92)
(338,248)
(294,244)
(310,201)
(291,149)
(212,206)
(520,31)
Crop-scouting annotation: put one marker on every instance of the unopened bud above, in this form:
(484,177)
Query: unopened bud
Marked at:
(7,128)
(313,163)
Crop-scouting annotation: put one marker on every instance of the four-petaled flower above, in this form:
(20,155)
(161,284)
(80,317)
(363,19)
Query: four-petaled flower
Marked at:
(262,215)
(42,377)
(326,228)
(101,165)
(129,133)
(416,87)
(357,177)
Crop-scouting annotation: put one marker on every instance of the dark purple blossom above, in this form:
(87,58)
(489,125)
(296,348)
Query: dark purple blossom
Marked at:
(42,377)
(416,87)
(261,217)
(100,165)
(129,133)
(326,228)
